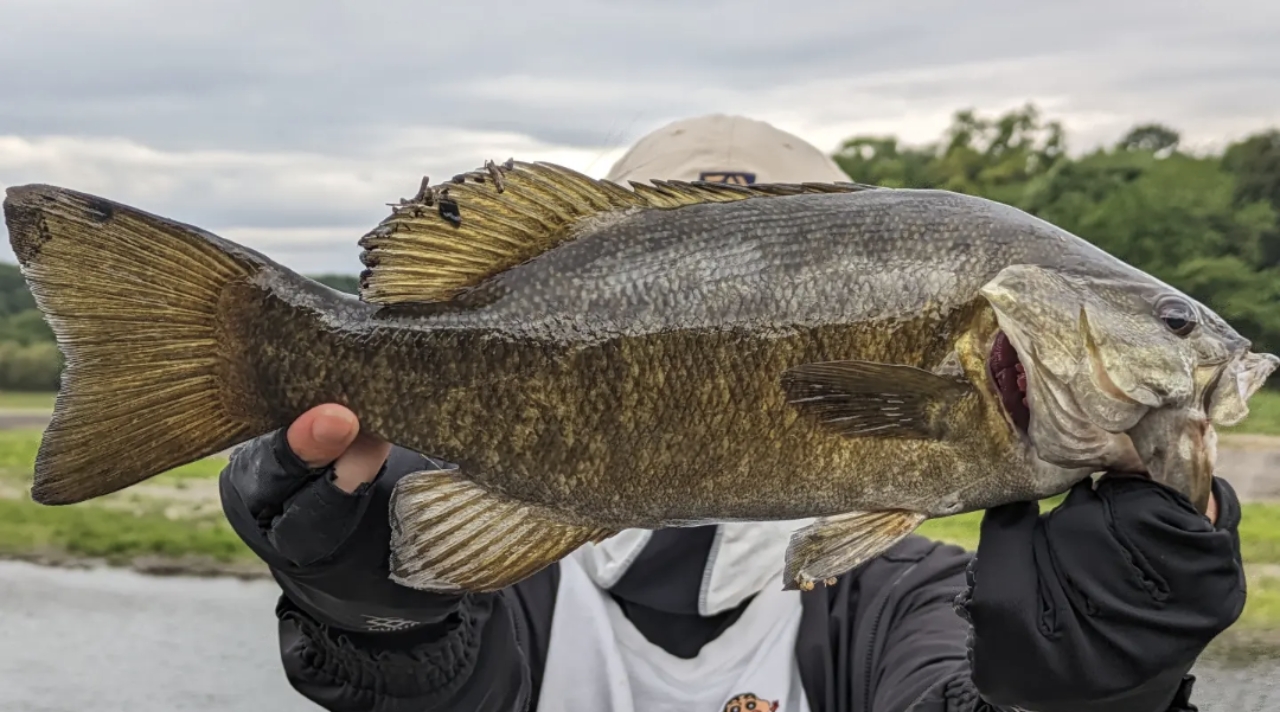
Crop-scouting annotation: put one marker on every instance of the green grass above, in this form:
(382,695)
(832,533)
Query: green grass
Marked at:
(18,452)
(1262,608)
(1264,415)
(114,535)
(1259,530)
(118,527)
(1259,544)
(11,400)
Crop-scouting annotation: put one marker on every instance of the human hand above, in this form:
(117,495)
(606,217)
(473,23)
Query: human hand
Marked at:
(330,433)
(312,501)
(1105,602)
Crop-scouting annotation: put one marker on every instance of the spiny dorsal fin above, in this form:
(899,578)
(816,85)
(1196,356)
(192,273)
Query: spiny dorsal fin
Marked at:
(455,235)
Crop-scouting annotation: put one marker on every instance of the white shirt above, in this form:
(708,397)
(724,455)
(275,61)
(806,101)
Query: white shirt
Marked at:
(597,661)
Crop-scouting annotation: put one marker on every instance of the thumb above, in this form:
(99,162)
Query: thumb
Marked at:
(320,435)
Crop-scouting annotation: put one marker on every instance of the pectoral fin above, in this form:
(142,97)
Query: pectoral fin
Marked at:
(832,546)
(860,399)
(450,535)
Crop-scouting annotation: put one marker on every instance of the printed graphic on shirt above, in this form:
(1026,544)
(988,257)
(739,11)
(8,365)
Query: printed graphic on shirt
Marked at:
(750,702)
(731,177)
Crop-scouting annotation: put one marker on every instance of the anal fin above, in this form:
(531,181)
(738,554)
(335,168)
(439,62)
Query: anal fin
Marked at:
(865,399)
(450,535)
(835,545)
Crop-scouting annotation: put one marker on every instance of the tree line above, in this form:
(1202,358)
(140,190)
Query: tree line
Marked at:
(1205,222)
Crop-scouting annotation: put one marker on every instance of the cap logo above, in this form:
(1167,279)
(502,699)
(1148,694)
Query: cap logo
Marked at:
(732,177)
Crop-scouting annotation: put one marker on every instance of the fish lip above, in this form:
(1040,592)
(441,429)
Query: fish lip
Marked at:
(1004,356)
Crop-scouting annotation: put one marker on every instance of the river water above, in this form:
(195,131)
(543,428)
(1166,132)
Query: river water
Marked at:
(108,640)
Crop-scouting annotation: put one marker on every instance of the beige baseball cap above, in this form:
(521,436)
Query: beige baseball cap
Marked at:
(728,149)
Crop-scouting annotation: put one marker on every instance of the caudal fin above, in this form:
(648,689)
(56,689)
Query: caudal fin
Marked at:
(134,302)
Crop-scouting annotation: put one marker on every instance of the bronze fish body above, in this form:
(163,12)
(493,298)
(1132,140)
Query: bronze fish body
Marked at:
(596,358)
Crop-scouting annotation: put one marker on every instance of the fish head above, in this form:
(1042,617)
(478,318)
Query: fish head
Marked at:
(1120,372)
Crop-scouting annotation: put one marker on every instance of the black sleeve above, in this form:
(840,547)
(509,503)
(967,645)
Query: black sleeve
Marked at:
(919,641)
(350,638)
(1105,603)
(920,647)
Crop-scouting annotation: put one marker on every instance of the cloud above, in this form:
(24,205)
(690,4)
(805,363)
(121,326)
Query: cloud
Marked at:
(306,209)
(290,124)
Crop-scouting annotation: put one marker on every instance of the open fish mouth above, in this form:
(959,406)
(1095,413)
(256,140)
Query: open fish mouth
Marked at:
(1010,381)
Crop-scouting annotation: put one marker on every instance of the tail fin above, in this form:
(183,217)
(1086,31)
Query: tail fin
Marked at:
(133,300)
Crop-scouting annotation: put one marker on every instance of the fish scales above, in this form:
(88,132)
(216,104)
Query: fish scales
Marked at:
(595,358)
(556,392)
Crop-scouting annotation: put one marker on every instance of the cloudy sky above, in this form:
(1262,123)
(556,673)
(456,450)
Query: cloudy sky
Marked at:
(288,124)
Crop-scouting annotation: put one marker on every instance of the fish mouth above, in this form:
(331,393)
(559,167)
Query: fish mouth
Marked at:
(1010,381)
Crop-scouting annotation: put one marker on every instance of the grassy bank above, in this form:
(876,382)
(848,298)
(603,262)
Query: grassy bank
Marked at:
(1264,415)
(173,521)
(10,400)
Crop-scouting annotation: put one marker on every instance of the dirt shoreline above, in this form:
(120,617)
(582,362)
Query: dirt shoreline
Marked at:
(160,566)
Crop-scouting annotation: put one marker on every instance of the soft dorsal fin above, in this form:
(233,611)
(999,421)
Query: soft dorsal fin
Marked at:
(455,235)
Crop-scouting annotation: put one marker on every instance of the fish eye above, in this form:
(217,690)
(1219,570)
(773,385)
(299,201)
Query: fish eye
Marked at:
(1178,316)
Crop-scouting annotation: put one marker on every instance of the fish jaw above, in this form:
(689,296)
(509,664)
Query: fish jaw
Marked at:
(1178,447)
(1228,402)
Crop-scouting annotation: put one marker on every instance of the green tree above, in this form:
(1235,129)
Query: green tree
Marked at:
(881,160)
(14,295)
(1255,163)
(35,367)
(25,327)
(1155,213)
(1152,138)
(995,157)
(998,157)
(341,282)
(1208,225)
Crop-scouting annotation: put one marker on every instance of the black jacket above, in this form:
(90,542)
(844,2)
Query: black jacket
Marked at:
(1100,606)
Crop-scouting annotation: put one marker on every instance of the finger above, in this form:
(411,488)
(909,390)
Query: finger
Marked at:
(317,520)
(320,435)
(361,462)
(1004,560)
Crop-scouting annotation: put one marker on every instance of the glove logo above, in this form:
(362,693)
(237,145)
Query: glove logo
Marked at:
(750,702)
(378,624)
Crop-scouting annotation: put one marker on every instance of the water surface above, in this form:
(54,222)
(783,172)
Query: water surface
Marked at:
(106,640)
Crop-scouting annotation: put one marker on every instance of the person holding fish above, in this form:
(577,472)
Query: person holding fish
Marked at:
(1101,605)
(686,431)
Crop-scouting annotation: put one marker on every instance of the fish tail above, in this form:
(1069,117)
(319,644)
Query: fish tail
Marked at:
(137,304)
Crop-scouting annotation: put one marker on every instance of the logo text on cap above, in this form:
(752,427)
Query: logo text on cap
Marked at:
(732,177)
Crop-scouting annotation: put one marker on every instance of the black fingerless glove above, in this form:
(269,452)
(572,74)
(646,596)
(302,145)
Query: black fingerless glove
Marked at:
(1105,603)
(328,549)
